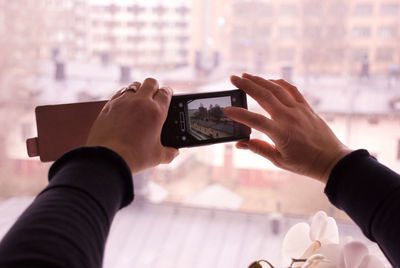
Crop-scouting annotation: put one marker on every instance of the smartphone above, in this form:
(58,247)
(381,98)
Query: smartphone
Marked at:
(193,120)
(199,119)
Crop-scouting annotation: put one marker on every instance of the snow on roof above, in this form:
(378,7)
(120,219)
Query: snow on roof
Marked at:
(215,196)
(171,235)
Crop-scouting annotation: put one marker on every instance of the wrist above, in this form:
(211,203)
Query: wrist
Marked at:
(332,160)
(121,150)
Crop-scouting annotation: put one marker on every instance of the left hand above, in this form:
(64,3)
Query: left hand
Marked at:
(130,124)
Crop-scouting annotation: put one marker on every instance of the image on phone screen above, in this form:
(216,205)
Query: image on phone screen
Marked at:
(207,119)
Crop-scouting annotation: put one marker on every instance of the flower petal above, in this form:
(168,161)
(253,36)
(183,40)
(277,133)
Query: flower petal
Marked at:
(331,253)
(317,223)
(324,229)
(330,232)
(370,261)
(296,241)
(352,254)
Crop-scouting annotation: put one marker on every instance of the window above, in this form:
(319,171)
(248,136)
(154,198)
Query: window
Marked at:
(336,31)
(136,9)
(312,9)
(389,9)
(338,9)
(387,32)
(287,32)
(312,31)
(181,24)
(384,54)
(361,32)
(358,54)
(288,10)
(285,54)
(363,10)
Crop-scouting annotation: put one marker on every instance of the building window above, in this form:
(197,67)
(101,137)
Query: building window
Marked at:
(389,9)
(288,10)
(387,32)
(338,31)
(312,10)
(363,10)
(137,24)
(287,32)
(159,10)
(311,31)
(136,38)
(285,54)
(136,9)
(338,9)
(358,54)
(361,32)
(181,24)
(160,24)
(112,9)
(384,54)
(182,10)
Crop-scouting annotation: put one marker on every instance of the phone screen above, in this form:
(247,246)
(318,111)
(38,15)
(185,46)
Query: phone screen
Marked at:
(207,120)
(199,119)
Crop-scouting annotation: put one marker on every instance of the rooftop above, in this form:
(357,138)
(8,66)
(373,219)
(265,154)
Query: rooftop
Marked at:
(169,235)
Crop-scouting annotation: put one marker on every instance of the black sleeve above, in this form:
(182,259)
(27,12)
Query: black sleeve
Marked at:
(68,222)
(369,193)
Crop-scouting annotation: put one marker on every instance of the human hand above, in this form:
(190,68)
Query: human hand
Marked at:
(130,124)
(303,142)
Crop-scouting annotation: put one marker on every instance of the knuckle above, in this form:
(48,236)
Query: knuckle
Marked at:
(165,90)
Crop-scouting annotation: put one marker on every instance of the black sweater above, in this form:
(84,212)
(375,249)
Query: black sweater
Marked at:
(68,223)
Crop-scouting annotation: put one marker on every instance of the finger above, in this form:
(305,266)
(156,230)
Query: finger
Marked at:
(264,97)
(148,88)
(163,96)
(291,89)
(275,88)
(264,149)
(136,85)
(169,155)
(250,119)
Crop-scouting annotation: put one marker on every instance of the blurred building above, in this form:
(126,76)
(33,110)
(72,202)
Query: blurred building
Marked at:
(308,36)
(142,34)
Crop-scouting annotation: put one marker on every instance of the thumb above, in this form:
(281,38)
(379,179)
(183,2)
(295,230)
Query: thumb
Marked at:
(264,149)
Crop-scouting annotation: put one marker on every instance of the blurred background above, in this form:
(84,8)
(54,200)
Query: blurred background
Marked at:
(214,205)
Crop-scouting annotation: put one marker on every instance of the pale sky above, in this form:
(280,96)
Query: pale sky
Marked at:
(221,101)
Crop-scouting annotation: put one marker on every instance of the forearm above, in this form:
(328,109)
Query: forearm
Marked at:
(370,194)
(68,223)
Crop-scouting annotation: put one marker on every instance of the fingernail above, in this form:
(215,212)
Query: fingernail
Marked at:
(246,74)
(242,145)
(169,89)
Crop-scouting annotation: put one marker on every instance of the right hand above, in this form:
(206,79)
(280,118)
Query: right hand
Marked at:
(303,142)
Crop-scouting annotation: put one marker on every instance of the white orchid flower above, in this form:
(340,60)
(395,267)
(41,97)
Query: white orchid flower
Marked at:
(303,240)
(317,246)
(355,254)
